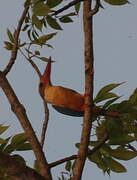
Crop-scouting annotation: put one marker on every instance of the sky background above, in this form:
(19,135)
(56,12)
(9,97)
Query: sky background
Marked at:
(115,49)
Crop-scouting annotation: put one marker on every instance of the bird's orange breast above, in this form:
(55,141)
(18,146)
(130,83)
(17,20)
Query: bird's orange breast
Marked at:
(64,97)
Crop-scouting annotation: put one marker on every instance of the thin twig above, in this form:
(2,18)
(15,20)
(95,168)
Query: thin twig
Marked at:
(32,63)
(45,123)
(96,8)
(66,7)
(73,157)
(16,41)
(63,160)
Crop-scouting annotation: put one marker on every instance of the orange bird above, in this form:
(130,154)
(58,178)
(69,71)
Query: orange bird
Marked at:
(64,100)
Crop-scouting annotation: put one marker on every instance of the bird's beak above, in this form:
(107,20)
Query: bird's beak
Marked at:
(47,73)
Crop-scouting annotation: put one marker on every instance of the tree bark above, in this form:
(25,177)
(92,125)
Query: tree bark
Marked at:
(89,76)
(20,112)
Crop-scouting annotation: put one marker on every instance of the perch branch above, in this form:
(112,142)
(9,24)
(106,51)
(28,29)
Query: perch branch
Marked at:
(16,40)
(20,112)
(89,87)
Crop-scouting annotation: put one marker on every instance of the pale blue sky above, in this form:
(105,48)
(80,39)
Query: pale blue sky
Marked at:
(115,47)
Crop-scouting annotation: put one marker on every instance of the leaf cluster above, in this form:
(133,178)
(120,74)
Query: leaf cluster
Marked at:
(10,145)
(121,132)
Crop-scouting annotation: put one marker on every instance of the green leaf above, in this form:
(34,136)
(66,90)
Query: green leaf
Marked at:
(68,166)
(24,147)
(29,34)
(41,9)
(25,27)
(122,140)
(104,91)
(71,14)
(44,59)
(98,160)
(133,98)
(2,141)
(37,53)
(123,154)
(65,19)
(116,166)
(27,4)
(53,23)
(19,159)
(8,45)
(108,88)
(37,22)
(11,37)
(43,39)
(108,103)
(19,139)
(106,96)
(117,2)
(3,145)
(77,7)
(9,148)
(126,107)
(53,3)
(3,128)
(49,45)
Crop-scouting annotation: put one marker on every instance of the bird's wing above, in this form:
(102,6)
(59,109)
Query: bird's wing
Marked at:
(64,97)
(67,111)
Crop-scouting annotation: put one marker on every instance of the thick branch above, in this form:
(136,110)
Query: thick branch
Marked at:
(16,170)
(20,112)
(89,77)
(66,7)
(73,157)
(16,40)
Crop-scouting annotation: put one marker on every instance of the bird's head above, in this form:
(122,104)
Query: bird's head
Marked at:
(45,78)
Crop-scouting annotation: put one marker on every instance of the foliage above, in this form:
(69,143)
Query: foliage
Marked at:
(10,145)
(121,132)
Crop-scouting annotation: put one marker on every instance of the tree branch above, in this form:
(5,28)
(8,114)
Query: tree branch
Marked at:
(16,40)
(35,67)
(73,157)
(103,112)
(45,123)
(96,8)
(89,86)
(16,170)
(66,7)
(20,112)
